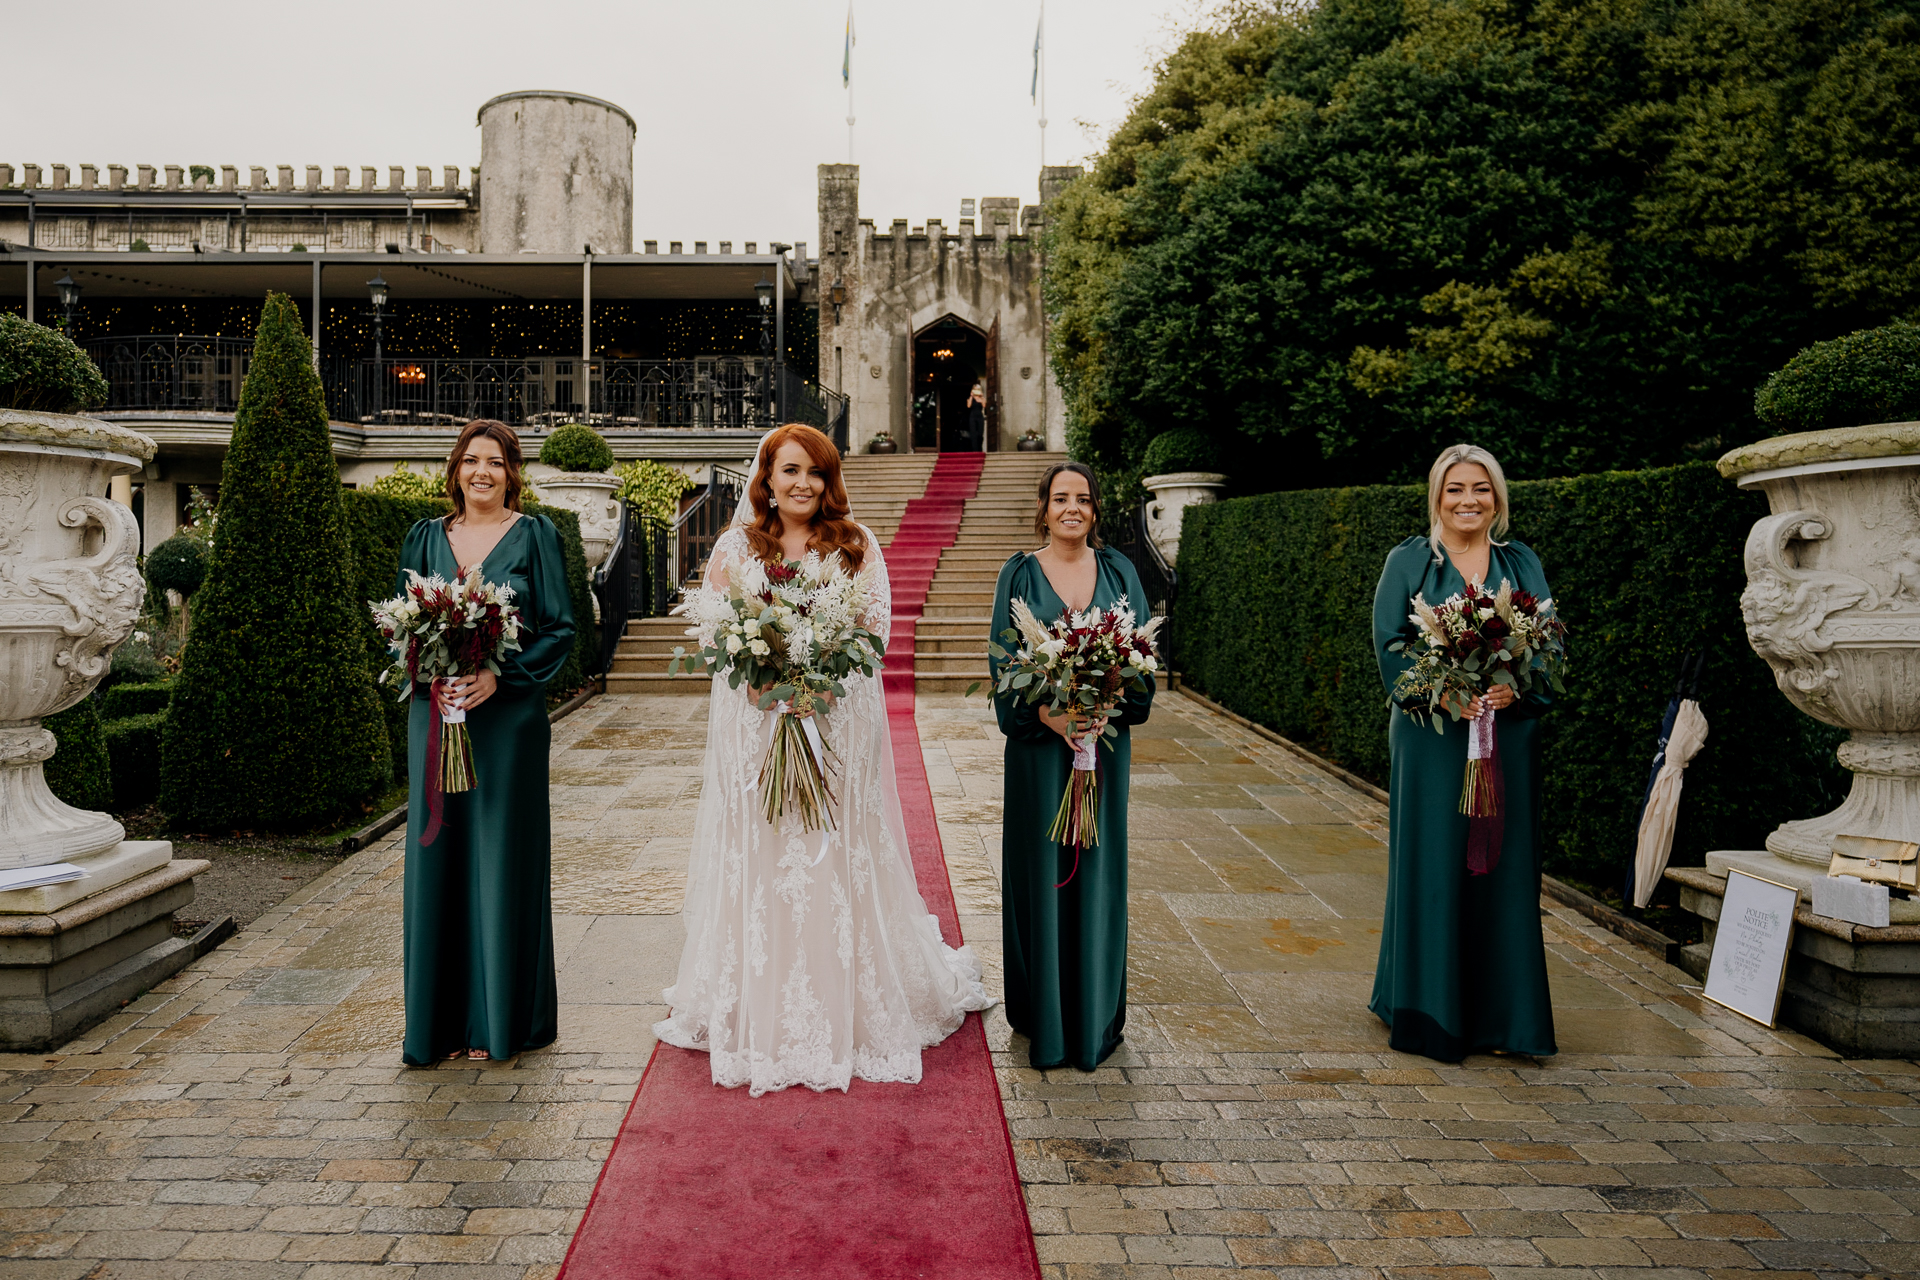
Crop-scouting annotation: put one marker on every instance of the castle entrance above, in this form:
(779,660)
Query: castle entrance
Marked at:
(950,359)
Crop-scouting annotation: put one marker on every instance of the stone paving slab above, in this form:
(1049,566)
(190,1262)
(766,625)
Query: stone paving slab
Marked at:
(250,1117)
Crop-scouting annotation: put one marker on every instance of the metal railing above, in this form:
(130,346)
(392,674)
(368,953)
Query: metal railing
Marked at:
(633,581)
(702,523)
(172,371)
(717,393)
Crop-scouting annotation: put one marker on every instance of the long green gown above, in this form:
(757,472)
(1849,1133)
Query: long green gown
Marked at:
(1066,949)
(478,915)
(1462,966)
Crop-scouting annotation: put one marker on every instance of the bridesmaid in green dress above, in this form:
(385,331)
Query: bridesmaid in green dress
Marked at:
(1463,968)
(1066,948)
(479,973)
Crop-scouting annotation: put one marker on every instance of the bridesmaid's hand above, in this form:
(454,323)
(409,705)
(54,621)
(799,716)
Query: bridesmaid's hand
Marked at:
(1500,697)
(468,691)
(1070,725)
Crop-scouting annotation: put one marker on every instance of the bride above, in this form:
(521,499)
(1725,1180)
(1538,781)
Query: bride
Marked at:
(799,971)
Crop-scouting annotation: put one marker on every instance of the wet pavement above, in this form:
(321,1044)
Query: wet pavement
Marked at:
(250,1117)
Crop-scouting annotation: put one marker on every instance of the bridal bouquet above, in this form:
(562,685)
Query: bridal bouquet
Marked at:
(792,631)
(437,629)
(1465,646)
(1081,663)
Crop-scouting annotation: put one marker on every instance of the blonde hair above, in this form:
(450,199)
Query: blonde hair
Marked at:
(1437,482)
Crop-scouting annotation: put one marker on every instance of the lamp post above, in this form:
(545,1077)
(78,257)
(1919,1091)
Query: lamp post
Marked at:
(763,290)
(69,299)
(377,294)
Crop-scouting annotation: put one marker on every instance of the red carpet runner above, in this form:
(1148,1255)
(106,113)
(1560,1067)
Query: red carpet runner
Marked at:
(883,1181)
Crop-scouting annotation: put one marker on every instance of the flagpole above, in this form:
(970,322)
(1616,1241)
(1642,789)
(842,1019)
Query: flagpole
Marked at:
(1041,40)
(846,75)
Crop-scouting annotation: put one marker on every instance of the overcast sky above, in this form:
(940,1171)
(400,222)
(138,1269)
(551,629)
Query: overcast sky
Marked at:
(737,101)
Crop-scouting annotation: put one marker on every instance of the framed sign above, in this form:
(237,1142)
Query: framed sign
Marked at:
(1748,968)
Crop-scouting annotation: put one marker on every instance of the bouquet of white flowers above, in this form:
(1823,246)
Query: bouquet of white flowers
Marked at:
(794,633)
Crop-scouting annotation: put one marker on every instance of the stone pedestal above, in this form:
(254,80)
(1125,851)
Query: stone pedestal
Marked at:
(1173,493)
(70,954)
(1849,986)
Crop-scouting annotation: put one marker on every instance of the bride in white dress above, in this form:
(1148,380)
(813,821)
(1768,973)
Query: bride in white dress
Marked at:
(797,972)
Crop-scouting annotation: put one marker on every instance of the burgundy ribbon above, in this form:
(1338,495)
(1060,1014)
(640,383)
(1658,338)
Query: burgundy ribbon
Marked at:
(435,800)
(1486,835)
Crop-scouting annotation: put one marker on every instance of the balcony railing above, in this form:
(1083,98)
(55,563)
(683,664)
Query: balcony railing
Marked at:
(172,371)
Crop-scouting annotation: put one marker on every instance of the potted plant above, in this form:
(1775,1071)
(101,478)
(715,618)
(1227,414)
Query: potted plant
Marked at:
(584,485)
(1031,442)
(882,442)
(1180,469)
(69,571)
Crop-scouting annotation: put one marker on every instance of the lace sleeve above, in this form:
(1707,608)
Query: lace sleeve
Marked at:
(706,607)
(879,619)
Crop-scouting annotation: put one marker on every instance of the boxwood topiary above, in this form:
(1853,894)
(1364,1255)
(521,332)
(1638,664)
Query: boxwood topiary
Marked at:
(178,564)
(78,772)
(45,370)
(274,723)
(1869,376)
(576,448)
(133,746)
(1181,449)
(124,700)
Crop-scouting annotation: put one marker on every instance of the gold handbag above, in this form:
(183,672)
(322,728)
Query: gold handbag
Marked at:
(1894,863)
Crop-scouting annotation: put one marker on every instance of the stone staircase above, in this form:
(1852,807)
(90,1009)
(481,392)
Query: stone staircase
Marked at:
(950,647)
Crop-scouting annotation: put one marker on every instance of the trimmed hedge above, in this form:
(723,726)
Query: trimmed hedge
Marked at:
(133,745)
(79,773)
(377,527)
(1181,449)
(1872,375)
(576,447)
(133,663)
(43,369)
(178,564)
(1274,619)
(124,700)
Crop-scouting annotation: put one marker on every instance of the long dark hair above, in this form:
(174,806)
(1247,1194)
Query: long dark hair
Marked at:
(501,434)
(1046,494)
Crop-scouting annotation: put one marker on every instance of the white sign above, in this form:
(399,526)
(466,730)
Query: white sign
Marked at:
(1748,968)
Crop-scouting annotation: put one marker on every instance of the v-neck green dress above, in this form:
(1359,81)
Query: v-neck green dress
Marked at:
(478,900)
(1066,948)
(1463,968)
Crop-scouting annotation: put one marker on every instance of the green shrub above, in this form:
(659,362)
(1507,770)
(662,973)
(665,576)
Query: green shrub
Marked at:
(45,370)
(78,772)
(133,663)
(586,636)
(133,745)
(1274,620)
(123,700)
(576,448)
(1869,376)
(404,482)
(274,722)
(178,564)
(1182,449)
(654,487)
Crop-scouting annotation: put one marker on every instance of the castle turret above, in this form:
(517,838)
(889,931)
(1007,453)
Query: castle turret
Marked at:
(556,174)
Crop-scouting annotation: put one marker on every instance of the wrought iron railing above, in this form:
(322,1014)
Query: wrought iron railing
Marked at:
(705,519)
(703,394)
(172,371)
(813,404)
(633,581)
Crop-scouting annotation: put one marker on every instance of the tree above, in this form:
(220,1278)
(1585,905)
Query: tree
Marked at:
(274,722)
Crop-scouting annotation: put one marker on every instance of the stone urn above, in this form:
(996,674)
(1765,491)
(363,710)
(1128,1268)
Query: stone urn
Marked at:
(1833,606)
(589,495)
(882,443)
(1173,493)
(70,589)
(1031,443)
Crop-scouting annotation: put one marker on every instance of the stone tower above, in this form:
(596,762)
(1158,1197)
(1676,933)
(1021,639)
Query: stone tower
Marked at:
(556,174)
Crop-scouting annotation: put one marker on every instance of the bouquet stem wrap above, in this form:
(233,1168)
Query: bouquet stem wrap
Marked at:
(449,762)
(1483,795)
(796,777)
(1077,825)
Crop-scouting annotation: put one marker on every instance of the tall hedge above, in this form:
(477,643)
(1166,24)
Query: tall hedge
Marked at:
(80,772)
(1274,619)
(377,526)
(274,723)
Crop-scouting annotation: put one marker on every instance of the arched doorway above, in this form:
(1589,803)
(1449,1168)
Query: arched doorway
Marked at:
(951,357)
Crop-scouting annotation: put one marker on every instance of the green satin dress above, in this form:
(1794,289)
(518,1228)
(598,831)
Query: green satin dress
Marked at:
(1066,949)
(1463,968)
(478,900)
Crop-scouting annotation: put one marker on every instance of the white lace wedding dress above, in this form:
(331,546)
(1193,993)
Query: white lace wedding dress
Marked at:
(801,974)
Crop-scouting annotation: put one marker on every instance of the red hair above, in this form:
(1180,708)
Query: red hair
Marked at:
(832,530)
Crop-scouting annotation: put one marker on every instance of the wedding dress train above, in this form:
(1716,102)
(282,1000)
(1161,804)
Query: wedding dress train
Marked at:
(797,972)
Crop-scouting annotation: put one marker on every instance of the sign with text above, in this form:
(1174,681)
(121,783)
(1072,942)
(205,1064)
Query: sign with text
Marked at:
(1748,969)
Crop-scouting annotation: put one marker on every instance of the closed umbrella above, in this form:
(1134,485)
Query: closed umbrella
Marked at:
(1655,845)
(1687,686)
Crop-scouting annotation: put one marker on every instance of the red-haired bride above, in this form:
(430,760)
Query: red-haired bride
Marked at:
(810,957)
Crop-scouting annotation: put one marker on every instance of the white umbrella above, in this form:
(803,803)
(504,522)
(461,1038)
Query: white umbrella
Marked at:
(1663,801)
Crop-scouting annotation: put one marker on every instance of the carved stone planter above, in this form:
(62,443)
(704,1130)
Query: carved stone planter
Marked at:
(589,495)
(1173,493)
(70,589)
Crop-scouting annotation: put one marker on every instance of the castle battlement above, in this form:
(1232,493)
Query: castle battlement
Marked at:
(121,179)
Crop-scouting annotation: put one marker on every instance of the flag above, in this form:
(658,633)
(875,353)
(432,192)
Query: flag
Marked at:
(1033,90)
(846,58)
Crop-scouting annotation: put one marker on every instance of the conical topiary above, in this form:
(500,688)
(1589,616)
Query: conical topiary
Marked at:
(275,723)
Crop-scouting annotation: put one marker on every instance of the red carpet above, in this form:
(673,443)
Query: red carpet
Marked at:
(883,1181)
(927,527)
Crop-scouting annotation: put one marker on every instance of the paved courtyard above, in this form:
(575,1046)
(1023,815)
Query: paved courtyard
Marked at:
(250,1117)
